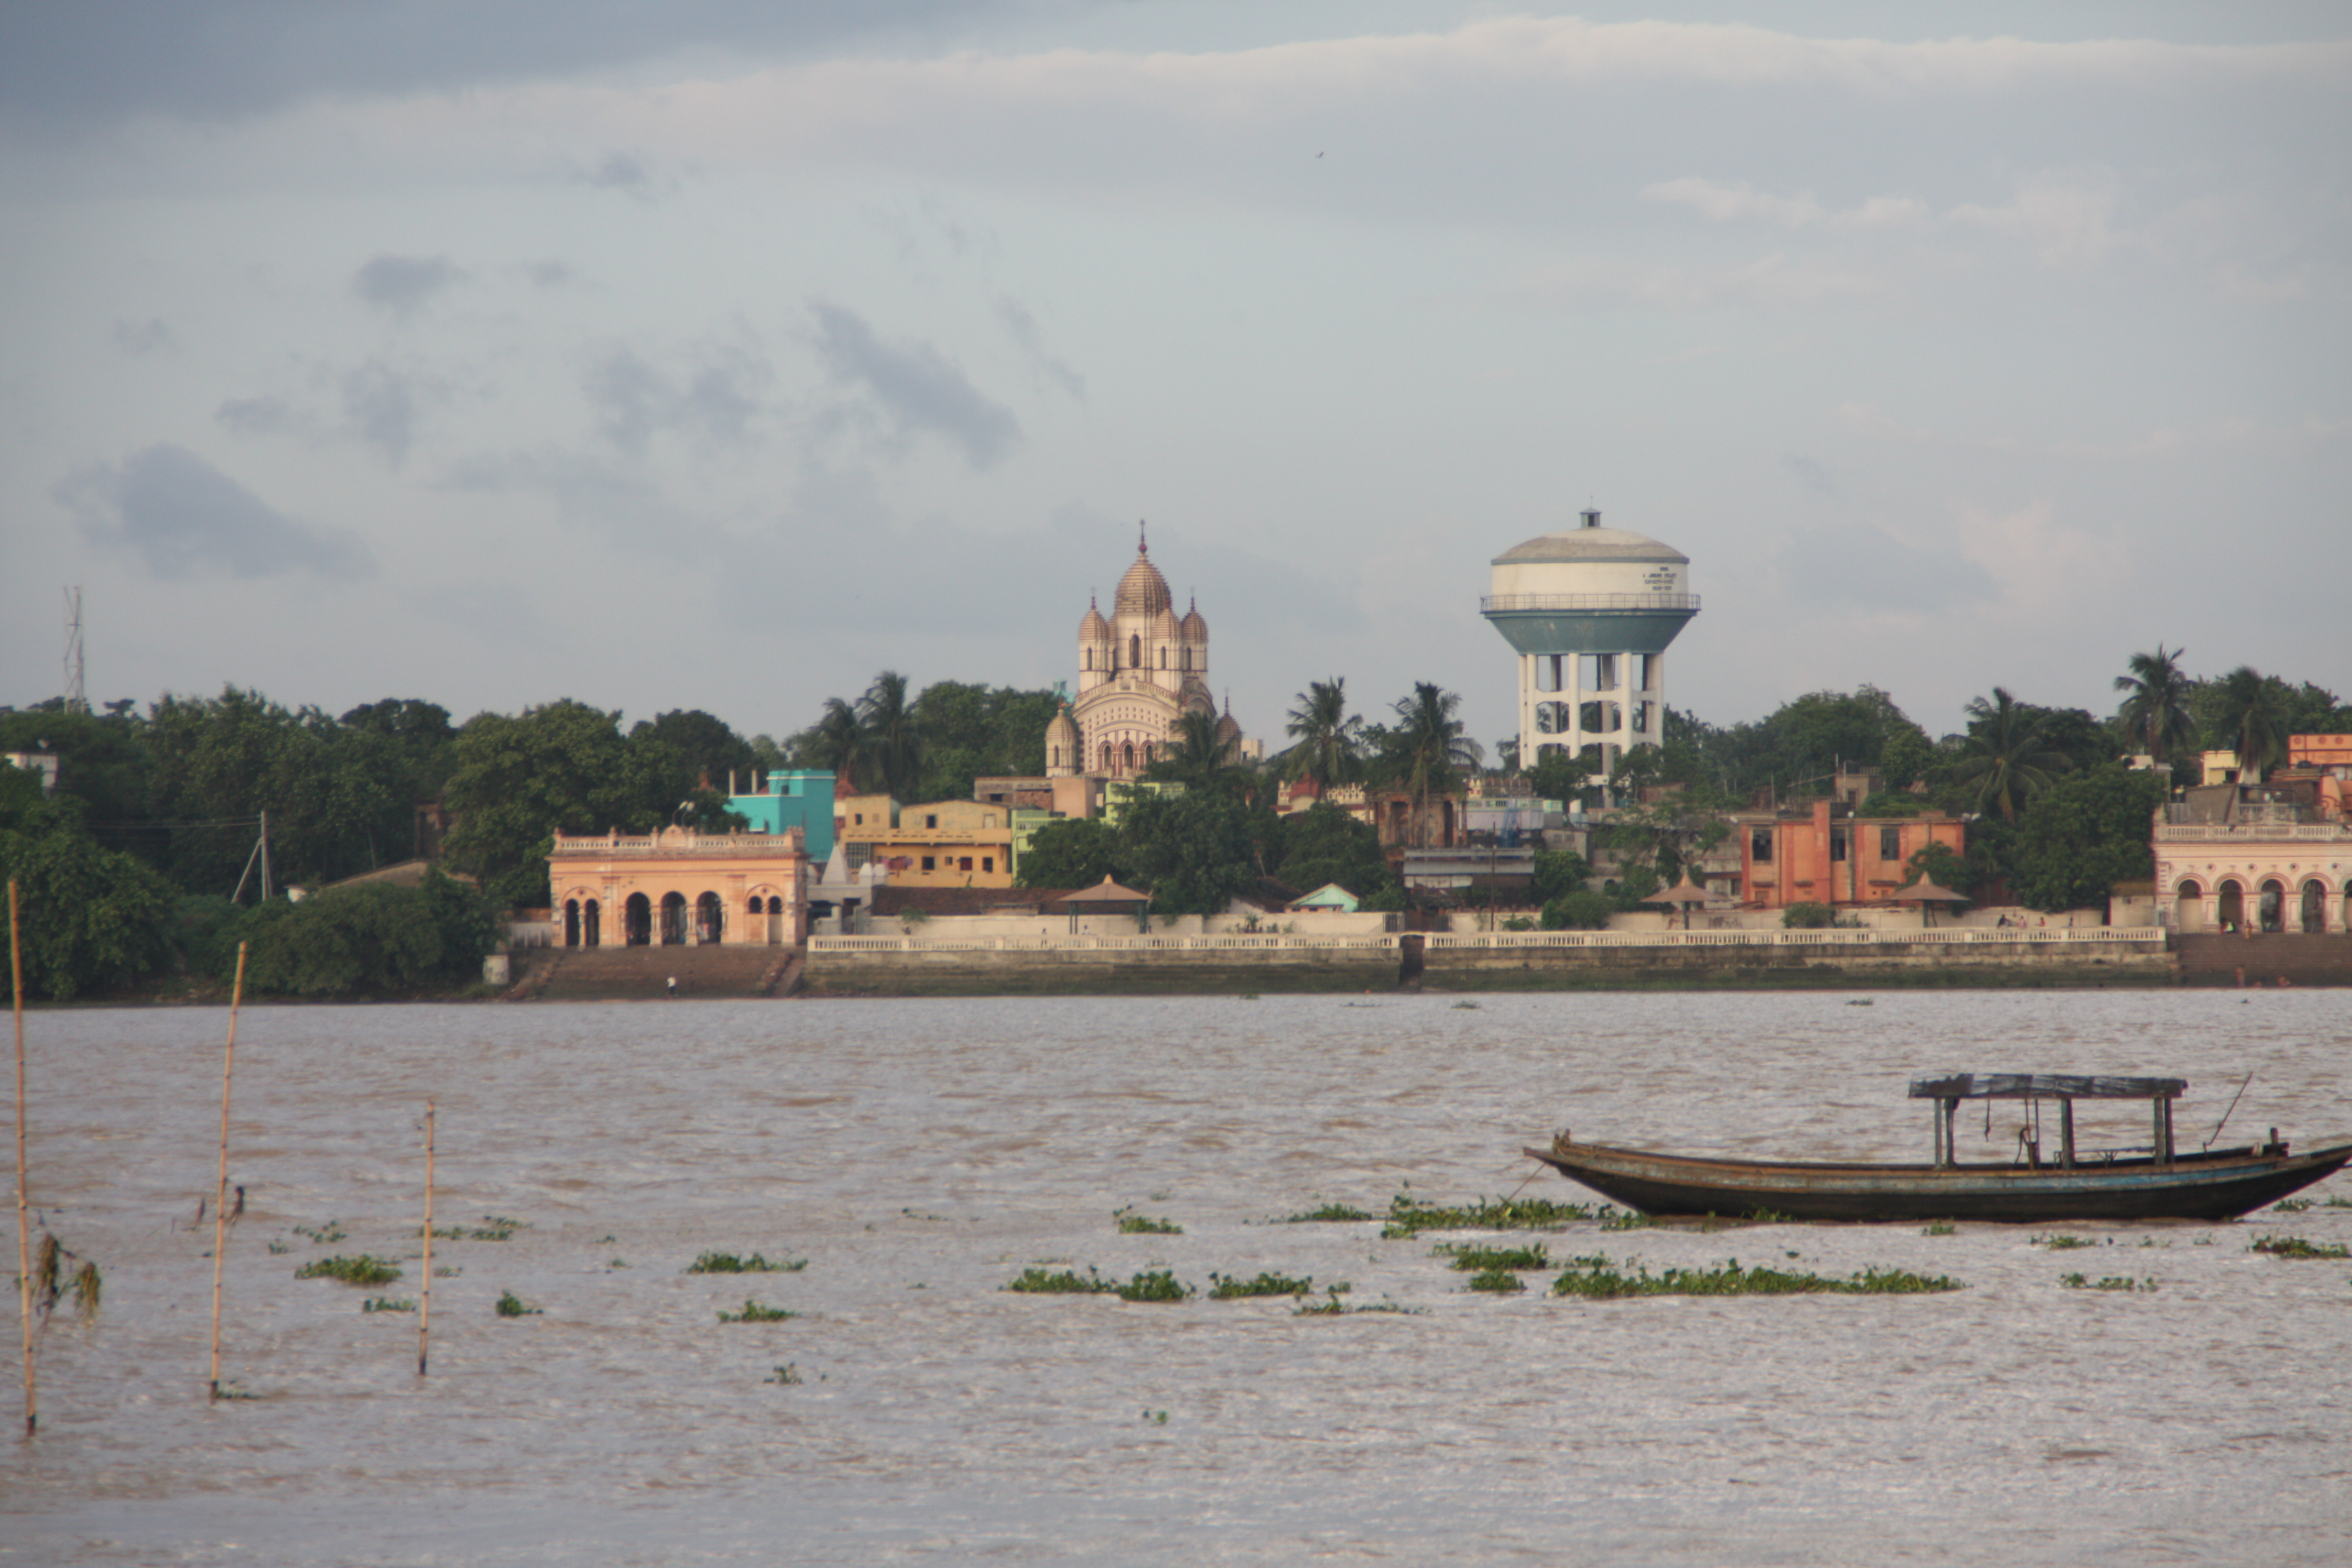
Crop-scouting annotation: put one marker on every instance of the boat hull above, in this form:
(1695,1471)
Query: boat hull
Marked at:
(2220,1185)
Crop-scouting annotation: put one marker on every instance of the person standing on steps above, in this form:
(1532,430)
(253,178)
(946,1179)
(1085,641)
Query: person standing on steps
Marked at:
(673,986)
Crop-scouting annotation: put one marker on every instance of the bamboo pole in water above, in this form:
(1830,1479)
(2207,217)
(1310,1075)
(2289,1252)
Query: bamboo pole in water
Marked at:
(220,1199)
(23,1224)
(424,1303)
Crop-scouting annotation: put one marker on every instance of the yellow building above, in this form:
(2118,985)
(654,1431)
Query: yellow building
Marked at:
(937,844)
(679,888)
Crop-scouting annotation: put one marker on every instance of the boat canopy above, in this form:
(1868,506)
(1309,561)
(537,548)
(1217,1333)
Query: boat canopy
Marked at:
(2041,1085)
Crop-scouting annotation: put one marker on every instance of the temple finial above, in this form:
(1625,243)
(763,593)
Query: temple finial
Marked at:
(1140,548)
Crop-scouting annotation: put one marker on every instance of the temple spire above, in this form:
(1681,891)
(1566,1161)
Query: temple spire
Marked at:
(1140,548)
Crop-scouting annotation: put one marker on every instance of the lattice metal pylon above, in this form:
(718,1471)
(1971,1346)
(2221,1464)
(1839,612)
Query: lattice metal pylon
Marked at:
(77,700)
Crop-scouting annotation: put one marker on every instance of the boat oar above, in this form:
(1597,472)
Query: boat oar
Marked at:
(2225,1115)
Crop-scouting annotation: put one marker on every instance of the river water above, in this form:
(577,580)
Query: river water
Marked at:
(921,1154)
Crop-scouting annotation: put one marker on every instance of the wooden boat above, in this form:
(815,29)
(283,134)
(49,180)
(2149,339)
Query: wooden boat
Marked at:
(2155,1181)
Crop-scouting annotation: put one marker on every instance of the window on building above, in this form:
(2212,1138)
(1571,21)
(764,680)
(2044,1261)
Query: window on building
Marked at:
(988,818)
(1760,843)
(1163,659)
(857,856)
(1890,844)
(858,820)
(1134,651)
(988,862)
(932,819)
(965,864)
(1837,844)
(930,863)
(1090,658)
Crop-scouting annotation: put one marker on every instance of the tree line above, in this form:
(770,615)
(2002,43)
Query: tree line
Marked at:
(129,870)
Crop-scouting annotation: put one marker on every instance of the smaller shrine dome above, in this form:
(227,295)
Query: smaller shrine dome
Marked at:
(1229,732)
(1094,628)
(1194,629)
(1063,729)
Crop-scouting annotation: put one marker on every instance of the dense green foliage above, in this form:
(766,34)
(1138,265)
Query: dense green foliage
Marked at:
(369,939)
(2084,834)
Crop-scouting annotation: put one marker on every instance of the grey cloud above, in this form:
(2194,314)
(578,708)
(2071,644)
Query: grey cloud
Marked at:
(500,613)
(147,337)
(548,274)
(1855,567)
(1811,474)
(917,389)
(256,416)
(181,516)
(585,490)
(383,405)
(1031,338)
(402,284)
(97,61)
(627,174)
(717,400)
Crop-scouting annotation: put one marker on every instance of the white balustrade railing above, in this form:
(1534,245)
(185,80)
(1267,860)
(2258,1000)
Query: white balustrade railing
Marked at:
(2248,833)
(1501,940)
(627,846)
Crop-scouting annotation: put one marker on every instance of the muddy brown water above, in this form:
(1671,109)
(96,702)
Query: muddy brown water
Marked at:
(921,1154)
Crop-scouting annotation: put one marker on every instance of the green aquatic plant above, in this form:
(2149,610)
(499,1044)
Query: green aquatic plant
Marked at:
(1597,1279)
(363,1269)
(386,1304)
(325,1234)
(493,1227)
(787,1374)
(511,1305)
(2291,1205)
(2296,1247)
(1133,1224)
(754,1312)
(2061,1243)
(1614,1218)
(1157,1285)
(2112,1282)
(58,1271)
(1478,1259)
(728,1263)
(1068,1283)
(1409,1216)
(1265,1284)
(1940,1228)
(1500,1282)
(1327,1214)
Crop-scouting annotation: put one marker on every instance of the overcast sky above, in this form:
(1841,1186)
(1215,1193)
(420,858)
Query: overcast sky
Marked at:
(721,353)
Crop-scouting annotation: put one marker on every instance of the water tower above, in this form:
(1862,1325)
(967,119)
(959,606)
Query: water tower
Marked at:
(1591,611)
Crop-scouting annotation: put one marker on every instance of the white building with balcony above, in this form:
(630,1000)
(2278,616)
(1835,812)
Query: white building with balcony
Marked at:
(1589,613)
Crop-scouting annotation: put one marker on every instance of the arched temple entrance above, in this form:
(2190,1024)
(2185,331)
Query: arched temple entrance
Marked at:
(2273,906)
(2231,912)
(572,923)
(673,920)
(2315,907)
(591,925)
(709,918)
(2188,908)
(637,921)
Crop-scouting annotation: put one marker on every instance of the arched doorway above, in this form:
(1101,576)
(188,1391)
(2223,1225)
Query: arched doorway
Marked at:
(2315,907)
(2272,906)
(591,924)
(2188,908)
(673,920)
(572,923)
(709,918)
(775,922)
(637,920)
(2232,910)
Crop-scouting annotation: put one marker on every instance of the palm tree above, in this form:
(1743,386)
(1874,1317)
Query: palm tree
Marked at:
(841,741)
(2003,757)
(1429,748)
(1330,749)
(1196,758)
(893,736)
(2157,709)
(2251,713)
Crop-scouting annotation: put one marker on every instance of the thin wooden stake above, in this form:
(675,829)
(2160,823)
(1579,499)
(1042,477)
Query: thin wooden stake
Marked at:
(24,1230)
(220,1199)
(425,1305)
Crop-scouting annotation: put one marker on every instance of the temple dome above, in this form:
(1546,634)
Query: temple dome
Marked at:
(1063,728)
(1094,628)
(1143,591)
(1193,629)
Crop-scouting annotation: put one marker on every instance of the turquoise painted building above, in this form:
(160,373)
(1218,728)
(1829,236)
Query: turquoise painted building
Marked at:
(802,800)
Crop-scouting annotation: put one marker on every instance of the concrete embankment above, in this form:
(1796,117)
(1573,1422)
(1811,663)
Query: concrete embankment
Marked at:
(1536,962)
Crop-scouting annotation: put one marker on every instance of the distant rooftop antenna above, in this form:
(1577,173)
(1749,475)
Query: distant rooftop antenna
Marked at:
(76,701)
(1592,517)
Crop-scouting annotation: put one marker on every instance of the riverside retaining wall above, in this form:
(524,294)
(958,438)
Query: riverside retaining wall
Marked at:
(1507,960)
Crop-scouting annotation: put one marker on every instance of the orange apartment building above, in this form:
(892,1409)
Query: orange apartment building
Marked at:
(1829,855)
(935,844)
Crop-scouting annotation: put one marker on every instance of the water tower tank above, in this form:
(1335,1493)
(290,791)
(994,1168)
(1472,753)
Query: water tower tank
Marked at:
(1589,613)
